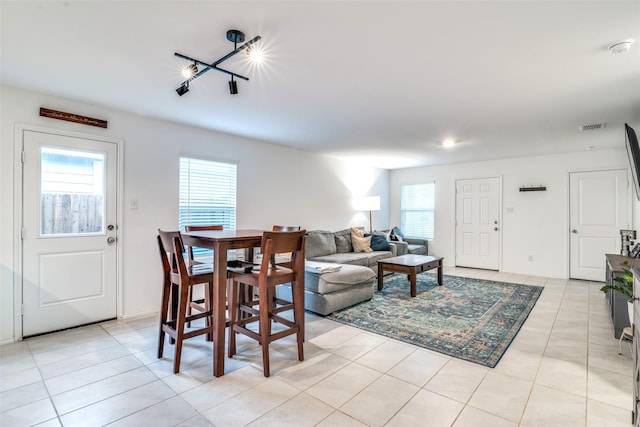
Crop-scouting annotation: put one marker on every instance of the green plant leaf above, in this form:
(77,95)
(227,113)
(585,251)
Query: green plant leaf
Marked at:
(623,283)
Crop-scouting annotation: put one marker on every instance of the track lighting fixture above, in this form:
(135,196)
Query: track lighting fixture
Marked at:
(191,72)
(233,87)
(183,89)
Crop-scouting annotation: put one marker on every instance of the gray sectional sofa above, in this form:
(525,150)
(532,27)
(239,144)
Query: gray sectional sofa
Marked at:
(336,247)
(354,282)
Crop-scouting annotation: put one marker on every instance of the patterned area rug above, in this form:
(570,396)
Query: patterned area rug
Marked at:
(470,319)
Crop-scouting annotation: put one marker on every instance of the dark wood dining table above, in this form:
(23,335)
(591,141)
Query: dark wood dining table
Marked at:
(222,241)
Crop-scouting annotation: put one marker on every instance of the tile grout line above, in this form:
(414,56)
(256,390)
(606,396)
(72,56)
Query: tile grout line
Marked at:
(533,381)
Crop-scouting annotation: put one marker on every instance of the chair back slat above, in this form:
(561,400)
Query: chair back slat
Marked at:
(188,228)
(180,265)
(166,238)
(282,241)
(166,267)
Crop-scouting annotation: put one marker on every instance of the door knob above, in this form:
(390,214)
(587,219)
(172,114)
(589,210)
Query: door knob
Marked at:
(110,240)
(495,228)
(574,231)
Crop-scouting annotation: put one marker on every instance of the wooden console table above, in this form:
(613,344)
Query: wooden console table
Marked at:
(617,302)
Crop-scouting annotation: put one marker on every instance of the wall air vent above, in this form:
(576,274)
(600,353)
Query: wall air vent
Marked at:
(592,126)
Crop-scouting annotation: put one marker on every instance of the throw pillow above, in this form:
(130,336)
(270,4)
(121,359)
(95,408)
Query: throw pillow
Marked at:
(379,242)
(361,244)
(357,231)
(398,234)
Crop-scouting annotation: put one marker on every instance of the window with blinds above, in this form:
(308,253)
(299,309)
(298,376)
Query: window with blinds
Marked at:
(417,210)
(207,193)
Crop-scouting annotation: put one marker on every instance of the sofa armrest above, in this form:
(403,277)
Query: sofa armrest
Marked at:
(416,241)
(399,248)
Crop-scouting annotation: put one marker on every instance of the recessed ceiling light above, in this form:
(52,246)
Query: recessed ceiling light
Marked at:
(448,143)
(620,47)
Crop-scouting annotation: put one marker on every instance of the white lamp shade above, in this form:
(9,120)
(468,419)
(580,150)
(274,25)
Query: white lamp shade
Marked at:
(371,203)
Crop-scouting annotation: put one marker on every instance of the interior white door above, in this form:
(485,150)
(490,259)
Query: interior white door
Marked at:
(599,209)
(477,227)
(69,231)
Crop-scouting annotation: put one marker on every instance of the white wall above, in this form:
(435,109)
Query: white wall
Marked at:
(276,185)
(539,223)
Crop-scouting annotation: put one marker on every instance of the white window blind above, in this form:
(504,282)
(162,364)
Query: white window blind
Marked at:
(207,193)
(417,210)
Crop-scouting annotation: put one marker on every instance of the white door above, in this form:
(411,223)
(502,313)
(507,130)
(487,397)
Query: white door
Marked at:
(599,208)
(69,231)
(477,227)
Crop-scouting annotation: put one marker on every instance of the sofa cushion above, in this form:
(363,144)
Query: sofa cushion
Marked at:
(348,276)
(343,241)
(319,243)
(373,257)
(344,258)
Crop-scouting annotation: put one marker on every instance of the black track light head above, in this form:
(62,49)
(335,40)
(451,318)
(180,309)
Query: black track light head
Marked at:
(183,89)
(233,87)
(190,71)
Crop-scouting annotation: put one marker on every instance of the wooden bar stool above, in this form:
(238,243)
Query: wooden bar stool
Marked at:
(197,304)
(265,280)
(178,279)
(279,303)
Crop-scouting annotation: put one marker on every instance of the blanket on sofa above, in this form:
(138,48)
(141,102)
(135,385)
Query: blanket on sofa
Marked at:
(321,267)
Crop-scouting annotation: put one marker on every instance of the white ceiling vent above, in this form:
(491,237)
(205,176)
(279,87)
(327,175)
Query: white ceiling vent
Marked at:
(592,126)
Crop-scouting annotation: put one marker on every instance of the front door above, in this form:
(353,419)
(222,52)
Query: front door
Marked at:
(599,209)
(69,231)
(477,228)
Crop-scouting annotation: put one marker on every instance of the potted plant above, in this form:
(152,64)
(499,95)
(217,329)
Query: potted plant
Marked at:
(622,283)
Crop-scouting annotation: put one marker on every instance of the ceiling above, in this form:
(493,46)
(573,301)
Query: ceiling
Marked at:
(378,81)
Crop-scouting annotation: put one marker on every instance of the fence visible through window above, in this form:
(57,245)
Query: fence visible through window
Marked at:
(71,191)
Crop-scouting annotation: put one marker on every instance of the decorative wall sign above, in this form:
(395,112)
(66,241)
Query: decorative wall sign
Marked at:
(70,117)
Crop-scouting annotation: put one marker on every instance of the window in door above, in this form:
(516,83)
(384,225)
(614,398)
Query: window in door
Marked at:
(71,191)
(417,210)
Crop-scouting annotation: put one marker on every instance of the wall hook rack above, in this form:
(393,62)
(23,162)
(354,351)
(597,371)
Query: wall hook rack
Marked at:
(534,188)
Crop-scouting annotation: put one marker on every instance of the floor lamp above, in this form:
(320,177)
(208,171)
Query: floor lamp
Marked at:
(371,203)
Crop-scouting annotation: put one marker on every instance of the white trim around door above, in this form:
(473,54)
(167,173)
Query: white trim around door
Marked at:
(18,267)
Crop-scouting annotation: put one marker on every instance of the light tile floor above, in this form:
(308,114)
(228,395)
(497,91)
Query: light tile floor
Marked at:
(562,369)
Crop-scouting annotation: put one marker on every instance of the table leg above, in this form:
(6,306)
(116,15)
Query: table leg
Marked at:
(380,278)
(440,273)
(412,276)
(219,305)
